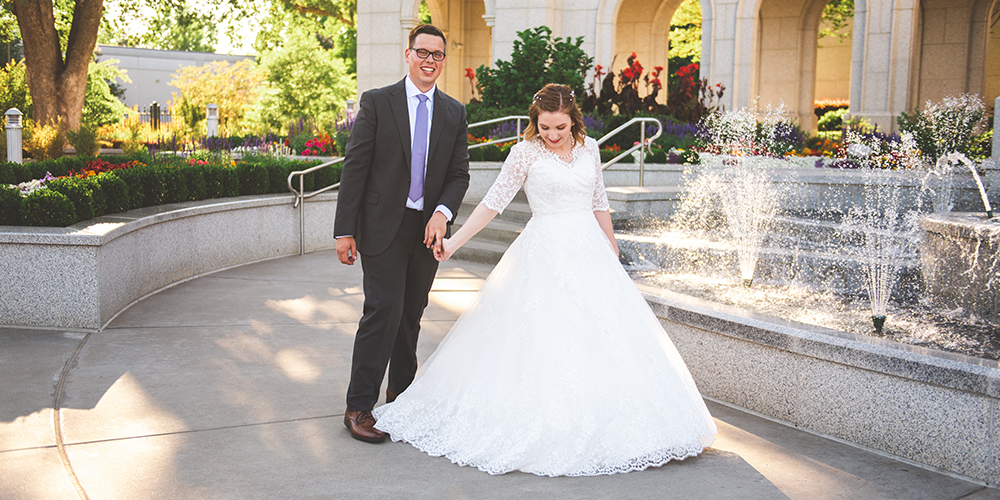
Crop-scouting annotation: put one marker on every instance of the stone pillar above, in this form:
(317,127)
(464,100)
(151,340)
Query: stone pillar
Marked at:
(14,135)
(991,167)
(212,119)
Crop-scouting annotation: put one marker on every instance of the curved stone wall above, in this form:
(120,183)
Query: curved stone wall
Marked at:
(79,277)
(923,405)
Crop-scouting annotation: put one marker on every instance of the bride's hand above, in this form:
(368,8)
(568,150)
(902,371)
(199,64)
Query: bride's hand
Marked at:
(444,251)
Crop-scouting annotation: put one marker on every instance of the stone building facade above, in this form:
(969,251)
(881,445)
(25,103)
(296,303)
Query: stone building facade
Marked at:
(902,52)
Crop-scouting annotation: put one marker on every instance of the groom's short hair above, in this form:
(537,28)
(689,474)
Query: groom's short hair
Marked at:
(426,29)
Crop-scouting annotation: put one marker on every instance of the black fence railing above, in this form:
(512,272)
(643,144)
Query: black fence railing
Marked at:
(155,115)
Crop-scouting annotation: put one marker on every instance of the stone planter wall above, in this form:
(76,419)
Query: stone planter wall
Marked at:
(931,407)
(960,261)
(81,276)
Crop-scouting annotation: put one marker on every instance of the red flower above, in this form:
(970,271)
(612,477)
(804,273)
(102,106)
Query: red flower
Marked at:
(469,73)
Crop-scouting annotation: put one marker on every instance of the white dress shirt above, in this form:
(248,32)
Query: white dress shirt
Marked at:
(411,105)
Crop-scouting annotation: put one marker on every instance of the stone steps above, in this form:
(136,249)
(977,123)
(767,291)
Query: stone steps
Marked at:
(493,240)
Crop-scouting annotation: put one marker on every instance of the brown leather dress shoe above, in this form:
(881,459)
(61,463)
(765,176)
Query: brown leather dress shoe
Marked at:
(362,426)
(390,396)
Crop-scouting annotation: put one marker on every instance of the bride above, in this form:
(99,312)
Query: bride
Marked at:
(558,366)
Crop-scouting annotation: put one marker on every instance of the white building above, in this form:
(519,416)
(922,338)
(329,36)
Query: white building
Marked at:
(902,53)
(151,71)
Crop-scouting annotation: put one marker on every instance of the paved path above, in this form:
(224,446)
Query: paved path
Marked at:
(231,386)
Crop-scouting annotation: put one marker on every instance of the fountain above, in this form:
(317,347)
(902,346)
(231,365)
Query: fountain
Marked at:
(854,237)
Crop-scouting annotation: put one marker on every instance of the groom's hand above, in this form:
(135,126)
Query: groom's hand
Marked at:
(347,250)
(435,230)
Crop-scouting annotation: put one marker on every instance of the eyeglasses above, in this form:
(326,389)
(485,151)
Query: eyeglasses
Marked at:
(423,53)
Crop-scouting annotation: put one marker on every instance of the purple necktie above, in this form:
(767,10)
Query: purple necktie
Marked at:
(418,158)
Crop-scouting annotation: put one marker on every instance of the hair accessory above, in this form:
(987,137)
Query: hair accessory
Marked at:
(537,97)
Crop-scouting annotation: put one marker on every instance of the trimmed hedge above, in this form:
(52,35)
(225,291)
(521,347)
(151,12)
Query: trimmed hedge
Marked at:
(47,207)
(10,205)
(174,180)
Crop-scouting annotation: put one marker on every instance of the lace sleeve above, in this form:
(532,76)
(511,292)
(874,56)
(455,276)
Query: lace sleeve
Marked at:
(600,194)
(512,175)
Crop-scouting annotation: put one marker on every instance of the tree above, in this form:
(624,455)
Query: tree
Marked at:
(57,66)
(176,25)
(685,35)
(305,77)
(232,87)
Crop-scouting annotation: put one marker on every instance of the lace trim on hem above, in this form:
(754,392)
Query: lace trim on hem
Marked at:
(653,459)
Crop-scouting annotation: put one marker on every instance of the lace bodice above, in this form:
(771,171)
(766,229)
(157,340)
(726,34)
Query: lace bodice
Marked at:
(552,185)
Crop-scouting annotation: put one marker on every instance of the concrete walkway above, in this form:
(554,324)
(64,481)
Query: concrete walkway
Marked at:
(231,386)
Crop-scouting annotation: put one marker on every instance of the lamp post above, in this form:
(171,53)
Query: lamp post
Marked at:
(14,135)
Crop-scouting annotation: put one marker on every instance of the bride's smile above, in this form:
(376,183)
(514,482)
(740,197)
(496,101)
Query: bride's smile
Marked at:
(556,129)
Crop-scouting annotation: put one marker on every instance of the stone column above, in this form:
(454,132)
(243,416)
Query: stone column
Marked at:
(992,165)
(212,119)
(14,135)
(883,60)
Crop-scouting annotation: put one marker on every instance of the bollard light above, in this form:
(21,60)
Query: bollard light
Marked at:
(212,120)
(13,116)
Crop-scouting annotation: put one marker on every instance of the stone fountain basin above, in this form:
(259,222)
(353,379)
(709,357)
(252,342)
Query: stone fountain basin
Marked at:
(960,261)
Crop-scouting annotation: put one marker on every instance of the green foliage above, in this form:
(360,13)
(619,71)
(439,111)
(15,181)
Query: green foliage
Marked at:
(100,106)
(115,192)
(685,33)
(133,179)
(836,15)
(14,89)
(175,187)
(537,59)
(253,178)
(955,124)
(78,192)
(194,177)
(176,26)
(10,205)
(479,112)
(492,153)
(21,173)
(7,173)
(44,141)
(832,120)
(47,207)
(475,154)
(305,80)
(100,201)
(84,140)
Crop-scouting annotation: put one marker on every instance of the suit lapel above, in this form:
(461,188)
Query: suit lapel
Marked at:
(397,102)
(437,122)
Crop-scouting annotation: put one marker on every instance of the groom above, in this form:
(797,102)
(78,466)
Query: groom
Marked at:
(406,170)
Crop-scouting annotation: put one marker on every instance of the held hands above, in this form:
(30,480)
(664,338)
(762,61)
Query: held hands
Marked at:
(445,250)
(435,231)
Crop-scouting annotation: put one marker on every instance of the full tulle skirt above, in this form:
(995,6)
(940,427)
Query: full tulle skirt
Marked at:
(557,367)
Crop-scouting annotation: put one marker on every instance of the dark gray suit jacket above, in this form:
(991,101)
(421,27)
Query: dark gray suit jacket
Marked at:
(376,175)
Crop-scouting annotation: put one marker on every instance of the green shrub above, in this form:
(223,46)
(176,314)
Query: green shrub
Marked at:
(78,193)
(84,140)
(230,182)
(10,205)
(45,141)
(215,186)
(154,185)
(116,192)
(832,120)
(22,173)
(253,178)
(537,59)
(133,179)
(47,207)
(476,154)
(194,177)
(175,187)
(100,201)
(277,176)
(492,153)
(7,173)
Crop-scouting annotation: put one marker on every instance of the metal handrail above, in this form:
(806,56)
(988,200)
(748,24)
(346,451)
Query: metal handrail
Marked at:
(518,118)
(643,143)
(301,195)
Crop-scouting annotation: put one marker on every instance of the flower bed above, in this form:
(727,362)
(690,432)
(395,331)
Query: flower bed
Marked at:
(59,193)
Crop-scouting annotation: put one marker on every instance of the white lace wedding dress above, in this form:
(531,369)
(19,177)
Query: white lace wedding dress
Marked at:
(558,366)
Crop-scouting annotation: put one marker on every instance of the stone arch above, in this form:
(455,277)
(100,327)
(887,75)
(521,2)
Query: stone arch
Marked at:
(464,23)
(783,67)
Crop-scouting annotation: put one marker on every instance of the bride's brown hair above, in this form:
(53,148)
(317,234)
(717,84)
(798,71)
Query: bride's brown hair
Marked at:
(552,98)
